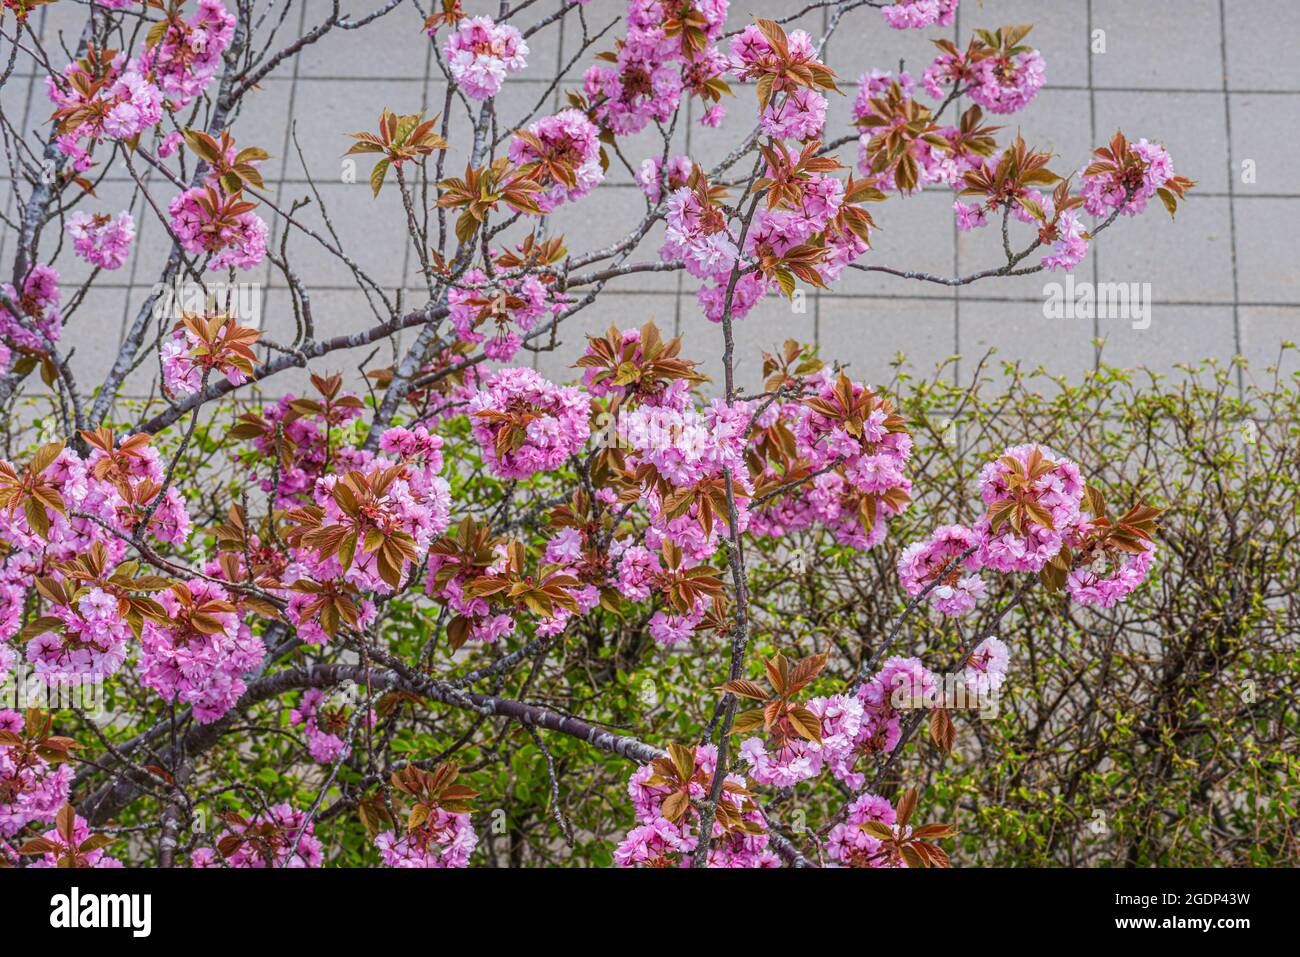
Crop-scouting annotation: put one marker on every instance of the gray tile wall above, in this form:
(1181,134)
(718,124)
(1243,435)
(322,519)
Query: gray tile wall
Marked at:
(1216,80)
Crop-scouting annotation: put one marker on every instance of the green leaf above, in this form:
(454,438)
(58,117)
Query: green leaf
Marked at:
(377,175)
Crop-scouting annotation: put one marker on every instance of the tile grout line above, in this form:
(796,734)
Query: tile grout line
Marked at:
(1046,87)
(145,222)
(535,356)
(957,295)
(926,190)
(407,247)
(680,295)
(858,296)
(1232,212)
(407,250)
(863,298)
(287,140)
(562,29)
(1092,132)
(559,56)
(956,241)
(11,194)
(817,293)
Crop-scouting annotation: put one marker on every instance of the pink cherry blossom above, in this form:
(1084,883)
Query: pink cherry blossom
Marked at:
(921,563)
(1105,192)
(480,53)
(268,841)
(568,137)
(986,666)
(109,100)
(1057,491)
(200,657)
(189,53)
(443,840)
(29,792)
(551,422)
(915,14)
(100,240)
(203,221)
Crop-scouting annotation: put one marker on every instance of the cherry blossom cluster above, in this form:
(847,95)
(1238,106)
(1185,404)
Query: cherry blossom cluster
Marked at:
(845,422)
(1062,232)
(833,733)
(999,80)
(108,96)
(1104,190)
(206,220)
(31,788)
(857,450)
(1067,233)
(1040,517)
(995,78)
(495,314)
(480,53)
(986,666)
(527,425)
(791,759)
(666,51)
(297,432)
(183,370)
(652,178)
(445,839)
(753,51)
(697,233)
(810,222)
(449,574)
(104,96)
(684,445)
(437,831)
(569,553)
(282,837)
(799,116)
(885,103)
(683,455)
(899,683)
(101,240)
(187,56)
(86,636)
(802,113)
(371,526)
(361,521)
(564,151)
(916,14)
(921,562)
(61,509)
(666,834)
(810,228)
(1046,490)
(73,846)
(198,656)
(687,469)
(322,722)
(1122,177)
(849,844)
(827,501)
(38,320)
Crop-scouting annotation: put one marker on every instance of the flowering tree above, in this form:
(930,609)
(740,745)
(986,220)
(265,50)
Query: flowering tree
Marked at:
(349,625)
